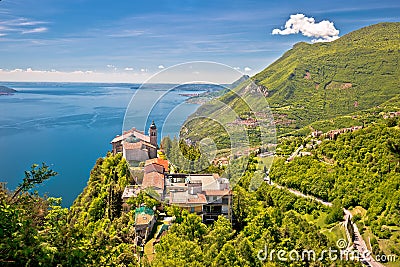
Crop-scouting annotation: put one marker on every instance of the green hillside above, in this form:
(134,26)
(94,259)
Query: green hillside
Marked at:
(361,169)
(314,82)
(318,81)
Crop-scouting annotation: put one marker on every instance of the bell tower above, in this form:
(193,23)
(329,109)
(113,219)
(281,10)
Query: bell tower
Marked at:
(153,134)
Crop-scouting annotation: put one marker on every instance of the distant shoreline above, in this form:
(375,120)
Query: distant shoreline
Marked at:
(4,90)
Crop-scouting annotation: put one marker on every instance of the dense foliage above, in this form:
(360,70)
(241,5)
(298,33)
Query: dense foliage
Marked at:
(94,232)
(21,243)
(188,158)
(267,219)
(39,232)
(361,168)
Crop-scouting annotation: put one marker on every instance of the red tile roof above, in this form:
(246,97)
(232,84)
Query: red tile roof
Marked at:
(153,168)
(201,199)
(159,161)
(153,179)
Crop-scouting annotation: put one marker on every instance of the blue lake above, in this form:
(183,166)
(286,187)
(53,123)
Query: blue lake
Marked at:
(70,125)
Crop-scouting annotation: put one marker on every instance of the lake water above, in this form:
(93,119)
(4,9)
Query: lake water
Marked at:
(70,125)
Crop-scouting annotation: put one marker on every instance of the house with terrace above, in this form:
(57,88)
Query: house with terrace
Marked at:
(207,195)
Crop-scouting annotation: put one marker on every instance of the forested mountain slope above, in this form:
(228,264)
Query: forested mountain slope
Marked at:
(317,81)
(313,82)
(360,169)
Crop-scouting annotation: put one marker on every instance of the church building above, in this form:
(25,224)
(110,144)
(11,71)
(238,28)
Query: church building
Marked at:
(135,145)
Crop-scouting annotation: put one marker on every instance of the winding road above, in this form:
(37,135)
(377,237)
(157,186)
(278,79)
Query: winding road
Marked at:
(359,242)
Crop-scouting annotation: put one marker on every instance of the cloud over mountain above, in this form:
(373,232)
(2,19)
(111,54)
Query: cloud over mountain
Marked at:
(323,31)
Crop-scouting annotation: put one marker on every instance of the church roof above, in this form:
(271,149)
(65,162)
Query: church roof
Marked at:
(133,133)
(120,138)
(138,145)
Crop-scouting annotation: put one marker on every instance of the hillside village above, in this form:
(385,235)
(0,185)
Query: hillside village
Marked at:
(316,137)
(206,195)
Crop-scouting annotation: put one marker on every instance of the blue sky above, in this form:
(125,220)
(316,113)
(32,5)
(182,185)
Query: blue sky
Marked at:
(130,40)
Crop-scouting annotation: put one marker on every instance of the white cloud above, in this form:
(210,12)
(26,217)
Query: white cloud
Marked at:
(161,67)
(28,23)
(247,69)
(21,22)
(127,33)
(21,25)
(236,68)
(16,70)
(35,30)
(323,31)
(129,69)
(143,70)
(110,66)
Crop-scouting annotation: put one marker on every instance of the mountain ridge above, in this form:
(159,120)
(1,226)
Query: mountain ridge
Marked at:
(358,71)
(310,83)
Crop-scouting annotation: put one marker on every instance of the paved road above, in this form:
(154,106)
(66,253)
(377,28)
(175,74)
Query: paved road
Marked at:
(300,194)
(360,244)
(358,239)
(295,153)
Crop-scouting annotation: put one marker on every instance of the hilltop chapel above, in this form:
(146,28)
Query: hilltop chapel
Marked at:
(135,145)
